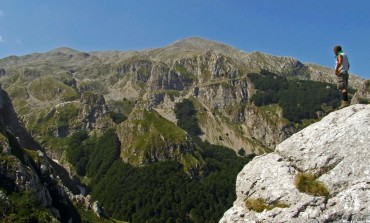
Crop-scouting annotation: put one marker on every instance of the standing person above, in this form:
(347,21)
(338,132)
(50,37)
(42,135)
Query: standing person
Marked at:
(341,71)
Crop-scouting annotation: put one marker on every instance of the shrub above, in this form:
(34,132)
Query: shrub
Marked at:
(308,184)
(364,101)
(259,205)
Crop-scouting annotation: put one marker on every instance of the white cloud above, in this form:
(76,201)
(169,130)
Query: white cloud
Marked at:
(19,42)
(1,13)
(1,39)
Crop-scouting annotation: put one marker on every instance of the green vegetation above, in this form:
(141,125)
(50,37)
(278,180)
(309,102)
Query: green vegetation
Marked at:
(121,108)
(161,191)
(152,134)
(186,76)
(65,115)
(93,86)
(77,151)
(117,117)
(90,217)
(172,94)
(241,152)
(363,101)
(299,99)
(47,123)
(23,207)
(186,115)
(48,88)
(259,205)
(308,184)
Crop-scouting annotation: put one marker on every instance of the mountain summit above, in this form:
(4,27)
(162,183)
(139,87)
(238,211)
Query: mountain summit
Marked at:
(200,44)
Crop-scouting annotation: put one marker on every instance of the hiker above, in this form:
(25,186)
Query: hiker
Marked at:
(341,71)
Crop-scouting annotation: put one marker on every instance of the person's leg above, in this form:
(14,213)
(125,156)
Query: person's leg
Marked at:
(343,85)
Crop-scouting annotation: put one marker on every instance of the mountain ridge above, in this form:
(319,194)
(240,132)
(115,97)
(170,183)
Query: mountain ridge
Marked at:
(215,74)
(191,44)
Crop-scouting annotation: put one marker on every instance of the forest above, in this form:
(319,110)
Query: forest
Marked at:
(162,191)
(299,99)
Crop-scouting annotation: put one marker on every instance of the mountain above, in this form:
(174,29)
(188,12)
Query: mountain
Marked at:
(185,118)
(214,75)
(319,174)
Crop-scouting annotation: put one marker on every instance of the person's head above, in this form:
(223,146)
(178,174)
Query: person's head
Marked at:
(337,49)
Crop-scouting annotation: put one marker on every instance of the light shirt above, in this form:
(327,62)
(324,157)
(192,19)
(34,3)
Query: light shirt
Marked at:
(345,64)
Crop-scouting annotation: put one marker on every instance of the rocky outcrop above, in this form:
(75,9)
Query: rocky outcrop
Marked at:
(92,111)
(335,151)
(268,126)
(362,96)
(147,137)
(2,72)
(9,121)
(30,171)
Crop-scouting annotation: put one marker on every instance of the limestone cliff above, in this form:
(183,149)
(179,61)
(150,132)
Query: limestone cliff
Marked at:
(335,152)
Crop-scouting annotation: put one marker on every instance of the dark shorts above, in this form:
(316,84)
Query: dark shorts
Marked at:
(342,82)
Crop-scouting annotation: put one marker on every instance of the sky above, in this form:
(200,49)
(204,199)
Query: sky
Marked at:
(307,30)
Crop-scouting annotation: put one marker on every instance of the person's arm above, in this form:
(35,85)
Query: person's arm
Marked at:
(339,64)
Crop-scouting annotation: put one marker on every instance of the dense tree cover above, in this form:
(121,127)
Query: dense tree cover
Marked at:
(90,155)
(300,99)
(162,191)
(187,120)
(77,152)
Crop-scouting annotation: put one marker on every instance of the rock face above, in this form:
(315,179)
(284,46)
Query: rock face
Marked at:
(335,150)
(213,74)
(362,96)
(93,108)
(30,171)
(9,121)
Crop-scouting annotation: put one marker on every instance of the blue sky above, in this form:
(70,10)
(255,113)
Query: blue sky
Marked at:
(306,29)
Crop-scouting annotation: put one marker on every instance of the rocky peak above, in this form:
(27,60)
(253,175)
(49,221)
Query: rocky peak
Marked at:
(64,50)
(334,152)
(197,43)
